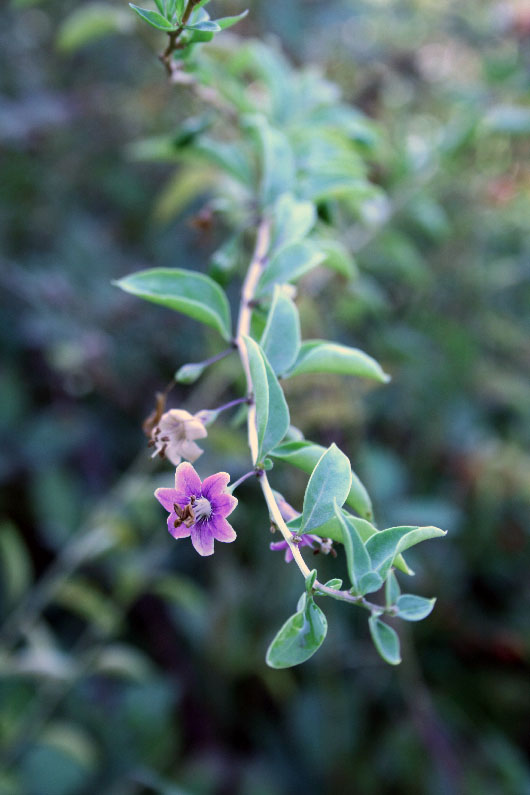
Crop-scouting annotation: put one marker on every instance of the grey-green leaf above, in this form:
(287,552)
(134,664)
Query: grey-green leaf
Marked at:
(414,608)
(272,412)
(281,337)
(227,22)
(384,546)
(357,558)
(206,25)
(193,294)
(293,219)
(289,263)
(328,486)
(304,455)
(319,356)
(154,19)
(300,637)
(385,640)
(277,160)
(392,589)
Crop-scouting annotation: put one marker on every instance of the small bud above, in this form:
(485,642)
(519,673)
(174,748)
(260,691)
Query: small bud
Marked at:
(207,416)
(189,373)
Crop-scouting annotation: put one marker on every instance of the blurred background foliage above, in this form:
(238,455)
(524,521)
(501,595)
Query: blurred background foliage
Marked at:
(128,665)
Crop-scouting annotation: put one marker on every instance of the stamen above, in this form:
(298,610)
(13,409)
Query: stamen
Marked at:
(202,509)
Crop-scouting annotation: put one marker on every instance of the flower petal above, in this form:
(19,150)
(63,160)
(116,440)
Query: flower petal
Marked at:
(215,485)
(223,504)
(222,530)
(187,483)
(190,450)
(177,532)
(202,538)
(167,498)
(195,429)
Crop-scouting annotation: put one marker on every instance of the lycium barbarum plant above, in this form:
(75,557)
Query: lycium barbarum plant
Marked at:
(291,159)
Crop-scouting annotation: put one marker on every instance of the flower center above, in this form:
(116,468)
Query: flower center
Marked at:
(202,508)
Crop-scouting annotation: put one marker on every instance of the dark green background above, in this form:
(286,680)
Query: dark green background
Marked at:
(145,671)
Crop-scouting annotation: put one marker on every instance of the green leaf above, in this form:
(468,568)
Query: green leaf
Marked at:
(414,608)
(205,25)
(370,582)
(80,596)
(300,637)
(230,157)
(366,530)
(304,455)
(289,263)
(392,589)
(277,160)
(160,4)
(357,558)
(189,373)
(385,640)
(154,19)
(384,546)
(319,356)
(91,22)
(328,485)
(272,412)
(16,563)
(227,22)
(292,220)
(193,294)
(337,257)
(281,337)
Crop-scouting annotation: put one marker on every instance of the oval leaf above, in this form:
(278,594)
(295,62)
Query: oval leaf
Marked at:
(289,263)
(414,608)
(193,294)
(328,485)
(304,455)
(300,637)
(281,336)
(319,356)
(292,220)
(385,640)
(384,546)
(272,412)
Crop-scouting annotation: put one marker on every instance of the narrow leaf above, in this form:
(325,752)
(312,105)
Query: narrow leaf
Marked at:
(414,608)
(392,589)
(328,485)
(300,637)
(281,337)
(206,25)
(319,356)
(357,558)
(193,294)
(227,22)
(154,19)
(385,640)
(272,412)
(277,160)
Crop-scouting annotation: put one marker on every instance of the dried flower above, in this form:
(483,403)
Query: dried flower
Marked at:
(199,509)
(172,435)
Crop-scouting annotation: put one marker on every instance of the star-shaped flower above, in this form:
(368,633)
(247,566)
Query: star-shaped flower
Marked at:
(199,509)
(173,435)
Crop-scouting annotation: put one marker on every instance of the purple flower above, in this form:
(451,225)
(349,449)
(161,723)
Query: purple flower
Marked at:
(199,509)
(306,540)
